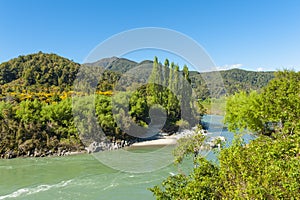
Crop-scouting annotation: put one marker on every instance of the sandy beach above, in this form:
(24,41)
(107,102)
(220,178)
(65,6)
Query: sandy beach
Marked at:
(167,140)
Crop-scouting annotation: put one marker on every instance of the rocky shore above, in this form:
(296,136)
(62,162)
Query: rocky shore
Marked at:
(107,146)
(159,139)
(42,153)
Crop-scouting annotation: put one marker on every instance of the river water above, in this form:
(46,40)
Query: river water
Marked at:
(86,177)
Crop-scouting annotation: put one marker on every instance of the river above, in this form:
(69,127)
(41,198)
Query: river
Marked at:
(85,177)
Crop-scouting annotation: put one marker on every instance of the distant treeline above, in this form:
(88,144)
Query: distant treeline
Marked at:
(51,73)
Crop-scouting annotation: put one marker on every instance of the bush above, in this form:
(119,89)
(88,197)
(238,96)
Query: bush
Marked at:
(264,169)
(183,124)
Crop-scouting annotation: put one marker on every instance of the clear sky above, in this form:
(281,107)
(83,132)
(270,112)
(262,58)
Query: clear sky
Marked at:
(253,34)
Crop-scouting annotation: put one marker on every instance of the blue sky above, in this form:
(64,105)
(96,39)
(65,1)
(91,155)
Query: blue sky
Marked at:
(256,34)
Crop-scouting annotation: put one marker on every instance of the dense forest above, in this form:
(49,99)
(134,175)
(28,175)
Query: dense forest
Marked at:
(233,80)
(36,100)
(36,106)
(266,168)
(56,75)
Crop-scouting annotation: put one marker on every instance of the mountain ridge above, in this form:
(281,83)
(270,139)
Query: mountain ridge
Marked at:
(49,69)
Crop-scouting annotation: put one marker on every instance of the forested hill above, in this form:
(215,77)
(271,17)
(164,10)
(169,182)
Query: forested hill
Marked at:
(115,64)
(233,80)
(42,71)
(36,115)
(246,80)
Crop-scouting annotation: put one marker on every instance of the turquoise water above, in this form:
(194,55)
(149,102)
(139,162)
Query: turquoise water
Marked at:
(86,177)
(77,177)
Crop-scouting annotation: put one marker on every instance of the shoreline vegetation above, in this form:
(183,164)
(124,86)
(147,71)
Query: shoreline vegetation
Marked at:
(162,139)
(37,117)
(268,167)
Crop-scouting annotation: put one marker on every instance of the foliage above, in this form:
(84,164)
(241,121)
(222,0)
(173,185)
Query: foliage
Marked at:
(39,68)
(263,169)
(36,112)
(281,103)
(214,106)
(208,84)
(242,112)
(275,109)
(187,145)
(34,126)
(200,184)
(183,124)
(105,117)
(266,168)
(139,108)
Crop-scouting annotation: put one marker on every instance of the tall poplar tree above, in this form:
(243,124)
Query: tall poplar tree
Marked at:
(166,72)
(173,104)
(153,80)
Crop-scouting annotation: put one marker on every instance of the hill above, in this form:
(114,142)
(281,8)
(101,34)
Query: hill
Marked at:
(38,71)
(233,80)
(115,64)
(47,70)
(36,116)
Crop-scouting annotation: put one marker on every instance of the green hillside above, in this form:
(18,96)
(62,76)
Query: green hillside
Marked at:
(233,81)
(36,115)
(50,70)
(39,69)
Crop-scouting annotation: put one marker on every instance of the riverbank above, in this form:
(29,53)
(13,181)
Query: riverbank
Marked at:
(165,139)
(36,153)
(158,140)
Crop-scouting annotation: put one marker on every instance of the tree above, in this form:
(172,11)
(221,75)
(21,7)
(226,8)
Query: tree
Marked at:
(281,102)
(243,112)
(105,116)
(60,117)
(188,113)
(29,111)
(200,184)
(176,81)
(153,85)
(275,109)
(166,73)
(173,103)
(263,169)
(185,72)
(139,109)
